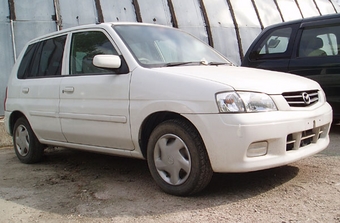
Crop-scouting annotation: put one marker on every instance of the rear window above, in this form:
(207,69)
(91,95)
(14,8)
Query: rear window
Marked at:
(43,59)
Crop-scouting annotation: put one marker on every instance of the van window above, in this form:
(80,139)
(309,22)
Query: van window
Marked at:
(274,44)
(85,45)
(320,41)
(43,59)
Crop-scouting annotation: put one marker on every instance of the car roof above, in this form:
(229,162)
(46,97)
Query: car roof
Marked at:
(335,16)
(90,26)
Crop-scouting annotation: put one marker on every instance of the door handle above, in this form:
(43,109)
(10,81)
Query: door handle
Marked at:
(25,90)
(68,90)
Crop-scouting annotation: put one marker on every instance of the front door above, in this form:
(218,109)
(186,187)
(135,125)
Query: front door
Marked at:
(94,102)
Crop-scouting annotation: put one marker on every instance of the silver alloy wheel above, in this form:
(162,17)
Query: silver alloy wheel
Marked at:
(22,140)
(172,159)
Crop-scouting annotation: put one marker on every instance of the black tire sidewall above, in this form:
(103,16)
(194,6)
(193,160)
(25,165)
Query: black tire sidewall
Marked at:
(179,129)
(36,150)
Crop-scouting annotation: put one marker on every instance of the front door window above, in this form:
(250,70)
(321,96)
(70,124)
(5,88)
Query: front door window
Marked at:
(85,46)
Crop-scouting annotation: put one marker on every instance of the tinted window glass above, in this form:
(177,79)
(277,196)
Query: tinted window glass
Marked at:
(85,46)
(274,44)
(43,58)
(320,41)
(25,62)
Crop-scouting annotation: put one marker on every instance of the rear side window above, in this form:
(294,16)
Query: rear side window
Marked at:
(43,59)
(319,41)
(85,45)
(274,45)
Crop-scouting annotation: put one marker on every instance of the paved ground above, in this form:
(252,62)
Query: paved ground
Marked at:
(5,140)
(75,186)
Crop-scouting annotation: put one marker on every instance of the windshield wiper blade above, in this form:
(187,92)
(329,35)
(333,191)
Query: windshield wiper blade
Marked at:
(218,63)
(173,64)
(203,62)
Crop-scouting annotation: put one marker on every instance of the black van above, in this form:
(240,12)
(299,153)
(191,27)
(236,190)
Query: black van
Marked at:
(308,47)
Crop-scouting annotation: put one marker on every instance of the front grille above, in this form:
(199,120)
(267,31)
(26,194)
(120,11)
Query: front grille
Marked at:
(304,138)
(301,98)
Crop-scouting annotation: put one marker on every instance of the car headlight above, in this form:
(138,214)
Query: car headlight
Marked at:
(244,102)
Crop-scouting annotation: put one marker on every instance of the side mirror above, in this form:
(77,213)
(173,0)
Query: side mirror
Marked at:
(107,61)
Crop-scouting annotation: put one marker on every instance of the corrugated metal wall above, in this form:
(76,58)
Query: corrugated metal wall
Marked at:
(6,51)
(228,25)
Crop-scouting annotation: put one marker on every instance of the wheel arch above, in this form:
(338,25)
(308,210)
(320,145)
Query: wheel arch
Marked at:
(13,118)
(150,123)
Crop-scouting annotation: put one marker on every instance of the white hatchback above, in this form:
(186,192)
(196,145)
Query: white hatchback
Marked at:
(157,93)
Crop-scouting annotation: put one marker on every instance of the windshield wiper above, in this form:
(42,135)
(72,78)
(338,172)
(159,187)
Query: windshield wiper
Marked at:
(203,62)
(218,63)
(173,64)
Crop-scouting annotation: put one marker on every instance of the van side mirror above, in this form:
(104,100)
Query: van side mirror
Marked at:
(107,61)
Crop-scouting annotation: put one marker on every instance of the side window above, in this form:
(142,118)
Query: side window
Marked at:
(43,59)
(85,46)
(273,45)
(320,41)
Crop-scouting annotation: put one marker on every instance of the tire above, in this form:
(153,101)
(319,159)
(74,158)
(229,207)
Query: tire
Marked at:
(177,158)
(26,145)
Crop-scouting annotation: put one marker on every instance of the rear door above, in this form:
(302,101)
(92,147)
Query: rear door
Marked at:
(39,77)
(317,57)
(94,105)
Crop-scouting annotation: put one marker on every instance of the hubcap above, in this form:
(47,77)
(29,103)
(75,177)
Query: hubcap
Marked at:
(22,140)
(172,159)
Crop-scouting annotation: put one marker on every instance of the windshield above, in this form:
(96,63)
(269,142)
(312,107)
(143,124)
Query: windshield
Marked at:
(155,46)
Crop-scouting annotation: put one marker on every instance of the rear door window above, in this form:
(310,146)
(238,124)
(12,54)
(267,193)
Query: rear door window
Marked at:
(43,59)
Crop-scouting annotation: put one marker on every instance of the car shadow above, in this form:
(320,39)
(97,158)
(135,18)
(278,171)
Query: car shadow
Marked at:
(71,182)
(245,185)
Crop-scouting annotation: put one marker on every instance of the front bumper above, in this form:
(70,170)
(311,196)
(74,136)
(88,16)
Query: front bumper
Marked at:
(228,137)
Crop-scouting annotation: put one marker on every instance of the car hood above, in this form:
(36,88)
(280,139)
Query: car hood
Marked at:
(246,79)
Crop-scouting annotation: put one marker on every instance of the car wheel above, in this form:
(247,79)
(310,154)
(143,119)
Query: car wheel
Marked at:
(177,158)
(26,145)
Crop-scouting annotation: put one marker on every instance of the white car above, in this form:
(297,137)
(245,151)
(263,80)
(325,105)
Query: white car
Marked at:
(157,93)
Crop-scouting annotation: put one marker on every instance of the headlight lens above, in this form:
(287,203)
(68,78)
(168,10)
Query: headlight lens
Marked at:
(244,102)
